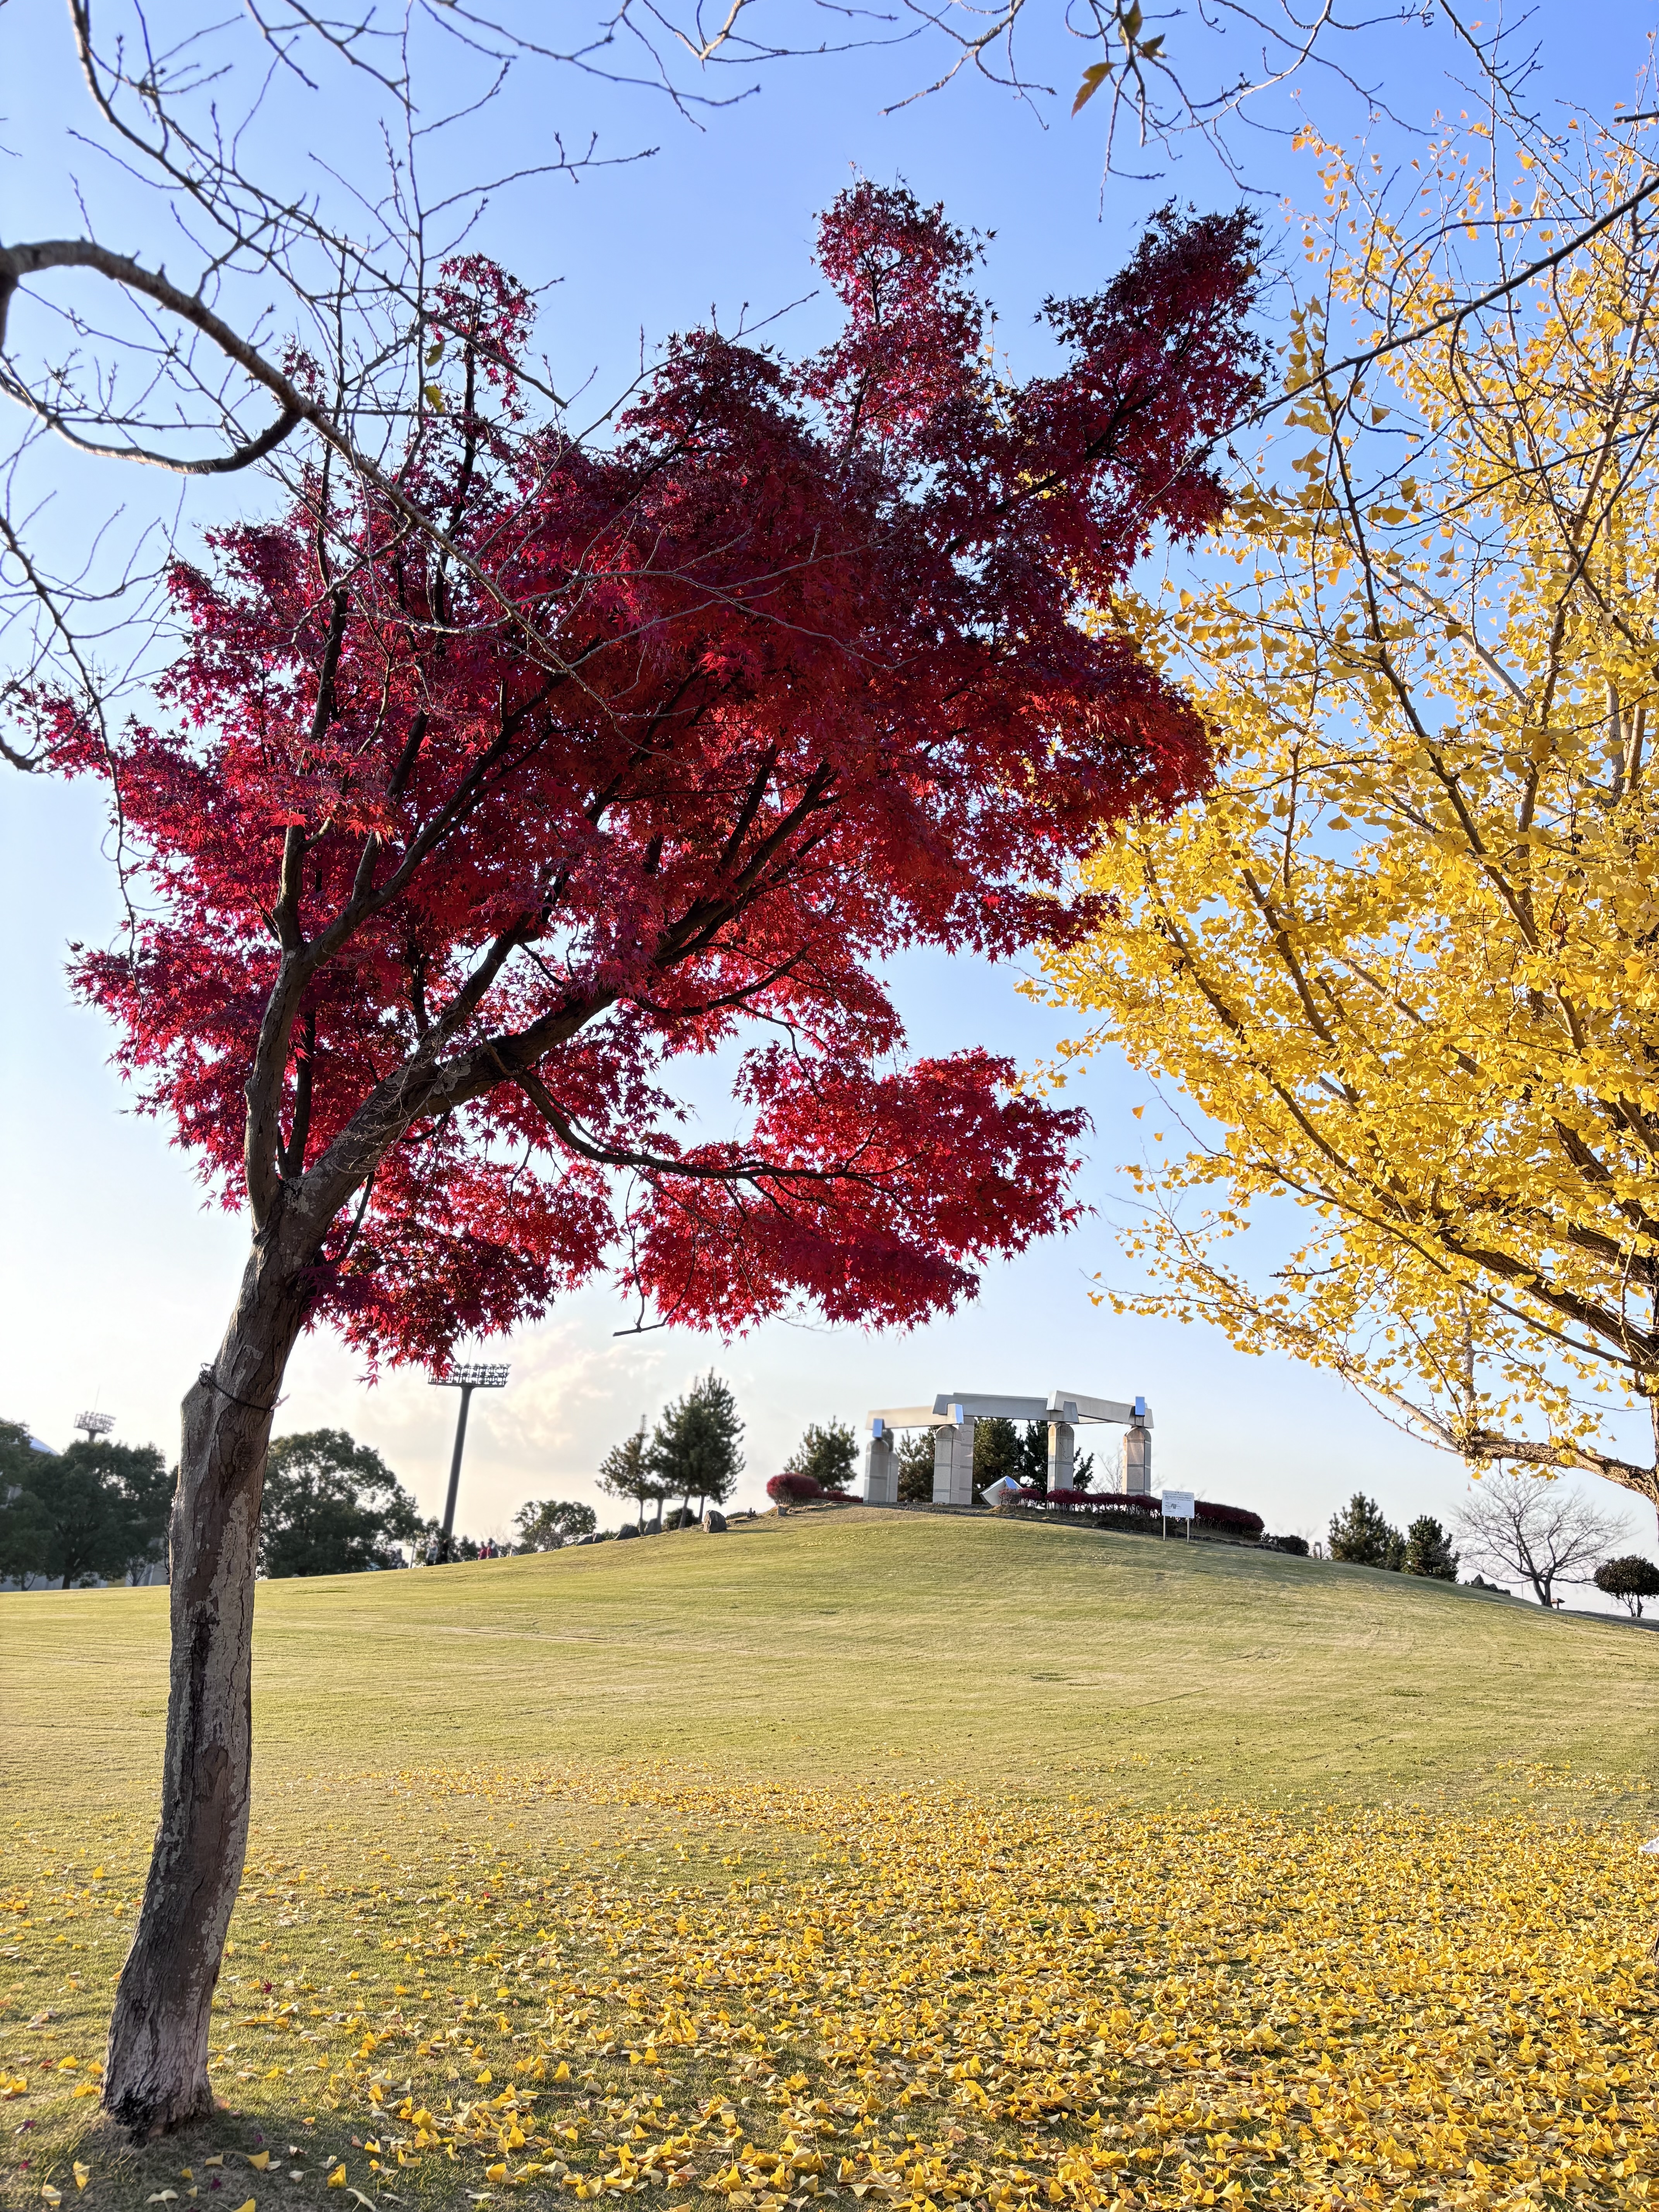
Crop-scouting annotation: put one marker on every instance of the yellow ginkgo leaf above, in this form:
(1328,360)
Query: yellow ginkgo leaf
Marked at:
(337,2180)
(259,2159)
(82,2174)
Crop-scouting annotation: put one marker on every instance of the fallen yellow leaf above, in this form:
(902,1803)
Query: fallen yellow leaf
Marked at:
(337,2180)
(82,2174)
(259,2159)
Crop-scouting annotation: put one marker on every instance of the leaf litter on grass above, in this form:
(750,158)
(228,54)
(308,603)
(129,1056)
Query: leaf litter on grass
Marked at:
(557,1987)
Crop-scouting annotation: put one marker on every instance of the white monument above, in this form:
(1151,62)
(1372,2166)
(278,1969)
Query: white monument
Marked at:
(952,1417)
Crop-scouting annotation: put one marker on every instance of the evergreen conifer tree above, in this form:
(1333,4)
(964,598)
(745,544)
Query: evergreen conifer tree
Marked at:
(996,1451)
(1362,1534)
(1031,1468)
(694,1452)
(1429,1552)
(915,1467)
(829,1453)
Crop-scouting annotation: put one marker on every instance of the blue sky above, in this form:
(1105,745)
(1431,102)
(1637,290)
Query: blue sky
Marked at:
(114,1283)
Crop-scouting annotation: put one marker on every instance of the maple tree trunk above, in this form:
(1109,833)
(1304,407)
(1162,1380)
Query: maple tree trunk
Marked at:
(155,2074)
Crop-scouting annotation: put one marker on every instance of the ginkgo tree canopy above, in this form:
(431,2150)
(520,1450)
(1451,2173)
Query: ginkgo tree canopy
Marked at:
(1405,955)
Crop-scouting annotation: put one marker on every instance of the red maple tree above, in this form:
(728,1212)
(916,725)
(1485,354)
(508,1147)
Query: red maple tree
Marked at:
(459,838)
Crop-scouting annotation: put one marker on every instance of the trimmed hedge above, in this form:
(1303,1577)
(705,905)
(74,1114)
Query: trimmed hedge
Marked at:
(1237,1520)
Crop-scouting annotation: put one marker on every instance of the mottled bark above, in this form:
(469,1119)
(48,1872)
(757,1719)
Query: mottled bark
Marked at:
(155,2071)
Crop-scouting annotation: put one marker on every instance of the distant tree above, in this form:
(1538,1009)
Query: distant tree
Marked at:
(625,1472)
(829,1453)
(332,1506)
(1030,1467)
(544,1524)
(1295,1546)
(1429,1552)
(90,1514)
(1362,1534)
(996,1451)
(694,1452)
(1631,1580)
(1532,1528)
(429,1545)
(915,1467)
(23,1526)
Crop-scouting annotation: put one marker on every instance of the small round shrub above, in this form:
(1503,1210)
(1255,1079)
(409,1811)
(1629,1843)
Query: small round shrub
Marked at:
(791,1489)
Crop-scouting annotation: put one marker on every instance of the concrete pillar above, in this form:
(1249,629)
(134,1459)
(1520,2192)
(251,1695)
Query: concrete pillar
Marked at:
(1137,1462)
(881,1471)
(1063,1452)
(953,1465)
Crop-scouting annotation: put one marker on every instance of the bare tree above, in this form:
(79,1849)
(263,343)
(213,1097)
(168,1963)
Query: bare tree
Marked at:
(1532,1528)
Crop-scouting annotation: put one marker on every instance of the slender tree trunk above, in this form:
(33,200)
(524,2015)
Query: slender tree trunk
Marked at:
(155,2072)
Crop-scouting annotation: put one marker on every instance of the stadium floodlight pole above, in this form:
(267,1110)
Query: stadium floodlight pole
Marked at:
(477,1375)
(93,1425)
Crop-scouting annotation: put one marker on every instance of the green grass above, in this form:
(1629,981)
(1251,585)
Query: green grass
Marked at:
(678,1719)
(836,1645)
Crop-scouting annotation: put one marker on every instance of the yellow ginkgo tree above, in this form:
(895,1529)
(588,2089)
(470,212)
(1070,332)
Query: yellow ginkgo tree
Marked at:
(1404,959)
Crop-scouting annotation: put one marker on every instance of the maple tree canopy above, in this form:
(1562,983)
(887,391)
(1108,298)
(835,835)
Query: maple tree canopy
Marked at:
(456,840)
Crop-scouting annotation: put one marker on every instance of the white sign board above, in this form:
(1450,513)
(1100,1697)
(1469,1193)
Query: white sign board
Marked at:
(1180,1505)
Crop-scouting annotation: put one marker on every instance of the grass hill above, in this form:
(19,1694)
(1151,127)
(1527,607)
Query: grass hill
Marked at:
(941,1862)
(862,1645)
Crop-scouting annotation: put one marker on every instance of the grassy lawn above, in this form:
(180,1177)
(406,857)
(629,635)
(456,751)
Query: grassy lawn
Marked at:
(859,1855)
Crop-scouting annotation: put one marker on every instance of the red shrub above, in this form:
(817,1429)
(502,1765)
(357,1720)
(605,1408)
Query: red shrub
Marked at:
(794,1490)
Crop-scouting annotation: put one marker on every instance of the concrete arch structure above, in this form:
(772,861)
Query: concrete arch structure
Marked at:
(952,1417)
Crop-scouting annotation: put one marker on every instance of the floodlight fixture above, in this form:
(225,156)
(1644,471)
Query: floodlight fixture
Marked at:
(93,1425)
(472,1375)
(468,1377)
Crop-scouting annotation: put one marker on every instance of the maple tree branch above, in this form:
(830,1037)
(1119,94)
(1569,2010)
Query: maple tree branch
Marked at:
(752,1170)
